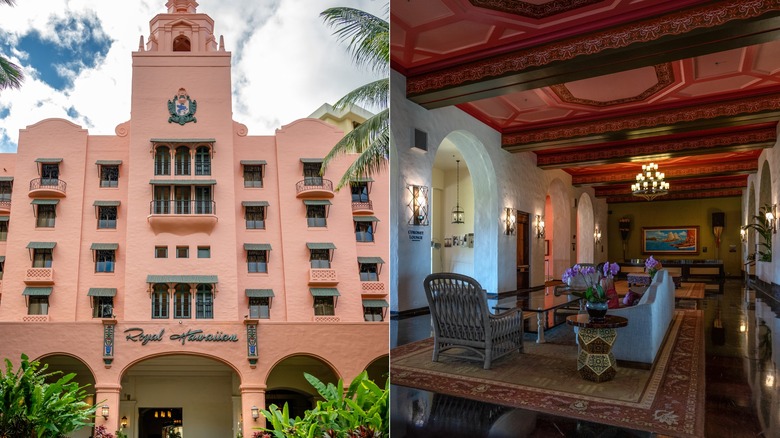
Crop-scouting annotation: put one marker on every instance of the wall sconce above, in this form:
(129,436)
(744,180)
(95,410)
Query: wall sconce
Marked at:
(418,205)
(510,220)
(255,413)
(742,327)
(771,216)
(597,236)
(104,411)
(539,227)
(743,234)
(123,423)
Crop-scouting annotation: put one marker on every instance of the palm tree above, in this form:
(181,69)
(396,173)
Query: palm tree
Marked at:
(10,73)
(368,41)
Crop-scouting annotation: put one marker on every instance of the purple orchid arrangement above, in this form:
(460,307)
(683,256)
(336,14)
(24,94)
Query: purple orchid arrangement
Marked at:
(610,269)
(593,292)
(652,266)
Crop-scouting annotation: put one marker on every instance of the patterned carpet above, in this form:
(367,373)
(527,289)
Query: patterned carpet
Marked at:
(669,399)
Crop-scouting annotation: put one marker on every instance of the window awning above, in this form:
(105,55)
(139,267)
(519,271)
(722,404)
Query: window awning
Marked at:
(259,293)
(254,203)
(103,246)
(183,182)
(362,180)
(108,162)
(365,219)
(311,160)
(41,245)
(5,218)
(257,246)
(320,245)
(316,202)
(37,291)
(45,201)
(48,160)
(205,279)
(106,203)
(102,292)
(6,178)
(375,303)
(377,260)
(253,162)
(324,292)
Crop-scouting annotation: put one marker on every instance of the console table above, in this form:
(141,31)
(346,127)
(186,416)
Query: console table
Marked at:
(595,361)
(701,271)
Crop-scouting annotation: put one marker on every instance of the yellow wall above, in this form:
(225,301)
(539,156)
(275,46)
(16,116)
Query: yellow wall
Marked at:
(680,213)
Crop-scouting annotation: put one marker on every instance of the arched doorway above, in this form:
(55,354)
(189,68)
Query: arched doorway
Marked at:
(68,364)
(379,370)
(287,383)
(558,220)
(750,235)
(585,229)
(195,395)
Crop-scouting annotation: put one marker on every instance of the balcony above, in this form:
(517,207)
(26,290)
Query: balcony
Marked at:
(314,187)
(39,276)
(182,217)
(362,207)
(322,276)
(372,288)
(326,318)
(35,318)
(47,188)
(5,204)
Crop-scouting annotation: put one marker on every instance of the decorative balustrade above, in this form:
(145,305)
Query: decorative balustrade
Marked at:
(315,186)
(367,206)
(183,207)
(322,276)
(5,205)
(372,287)
(326,318)
(50,186)
(35,318)
(39,276)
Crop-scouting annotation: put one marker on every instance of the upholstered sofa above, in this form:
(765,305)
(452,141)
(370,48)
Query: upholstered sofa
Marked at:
(648,322)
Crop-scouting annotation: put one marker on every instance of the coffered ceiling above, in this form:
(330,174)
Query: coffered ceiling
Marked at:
(599,87)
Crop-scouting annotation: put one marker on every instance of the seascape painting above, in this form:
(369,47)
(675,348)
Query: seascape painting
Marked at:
(670,240)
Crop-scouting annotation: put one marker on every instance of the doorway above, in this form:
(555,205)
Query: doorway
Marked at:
(160,423)
(523,250)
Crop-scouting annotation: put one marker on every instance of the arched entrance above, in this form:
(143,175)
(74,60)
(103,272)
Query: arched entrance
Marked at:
(559,221)
(585,229)
(379,370)
(287,384)
(195,395)
(68,364)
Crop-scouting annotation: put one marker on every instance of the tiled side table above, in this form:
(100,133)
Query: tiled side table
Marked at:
(595,361)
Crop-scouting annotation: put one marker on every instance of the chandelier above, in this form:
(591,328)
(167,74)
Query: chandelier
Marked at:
(457,212)
(650,183)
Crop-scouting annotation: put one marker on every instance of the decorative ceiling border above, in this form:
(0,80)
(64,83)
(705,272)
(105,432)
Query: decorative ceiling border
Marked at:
(664,74)
(726,168)
(684,196)
(681,187)
(530,10)
(677,23)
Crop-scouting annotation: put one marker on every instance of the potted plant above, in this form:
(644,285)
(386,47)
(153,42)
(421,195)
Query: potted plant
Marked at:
(595,286)
(652,266)
(761,225)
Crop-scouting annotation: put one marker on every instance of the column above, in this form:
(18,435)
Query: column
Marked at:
(107,394)
(252,395)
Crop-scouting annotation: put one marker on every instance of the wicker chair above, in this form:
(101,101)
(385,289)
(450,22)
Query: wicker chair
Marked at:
(461,320)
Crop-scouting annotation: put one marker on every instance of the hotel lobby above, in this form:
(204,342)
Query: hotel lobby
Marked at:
(519,129)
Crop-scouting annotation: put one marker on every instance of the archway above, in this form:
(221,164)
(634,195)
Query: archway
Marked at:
(549,234)
(84,377)
(559,221)
(195,395)
(286,383)
(379,370)
(585,229)
(750,235)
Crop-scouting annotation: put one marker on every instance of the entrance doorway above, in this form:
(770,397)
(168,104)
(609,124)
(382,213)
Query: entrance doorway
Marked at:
(523,250)
(160,423)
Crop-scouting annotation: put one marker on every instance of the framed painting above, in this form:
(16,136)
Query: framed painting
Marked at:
(670,240)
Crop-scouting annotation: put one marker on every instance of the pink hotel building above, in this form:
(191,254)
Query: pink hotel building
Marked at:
(186,270)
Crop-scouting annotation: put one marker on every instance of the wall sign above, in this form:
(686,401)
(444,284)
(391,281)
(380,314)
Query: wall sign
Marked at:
(415,236)
(136,334)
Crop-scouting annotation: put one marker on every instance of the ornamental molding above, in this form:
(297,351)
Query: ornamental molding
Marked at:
(664,77)
(182,108)
(732,167)
(530,10)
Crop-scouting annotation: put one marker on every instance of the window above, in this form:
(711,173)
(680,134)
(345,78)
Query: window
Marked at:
(38,306)
(255,217)
(50,174)
(161,252)
(3,231)
(46,215)
(105,260)
(204,302)
(257,261)
(181,44)
(324,306)
(162,200)
(182,194)
(160,301)
(109,176)
(369,272)
(315,216)
(5,191)
(202,161)
(253,175)
(182,163)
(162,161)
(320,258)
(260,308)
(106,217)
(42,258)
(204,252)
(364,231)
(359,191)
(373,314)
(203,203)
(311,174)
(182,252)
(181,302)
(2,269)
(102,307)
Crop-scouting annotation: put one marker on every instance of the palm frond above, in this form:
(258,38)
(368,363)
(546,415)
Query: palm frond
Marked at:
(363,137)
(372,94)
(10,74)
(367,36)
(8,2)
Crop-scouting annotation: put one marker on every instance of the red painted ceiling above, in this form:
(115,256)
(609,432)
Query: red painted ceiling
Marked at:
(598,87)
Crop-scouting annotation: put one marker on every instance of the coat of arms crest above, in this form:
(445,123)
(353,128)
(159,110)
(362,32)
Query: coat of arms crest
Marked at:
(182,108)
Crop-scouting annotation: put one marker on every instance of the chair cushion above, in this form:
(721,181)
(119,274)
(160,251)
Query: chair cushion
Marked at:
(632,298)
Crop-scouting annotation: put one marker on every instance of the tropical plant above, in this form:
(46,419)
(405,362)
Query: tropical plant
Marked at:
(360,412)
(368,41)
(762,226)
(31,407)
(10,73)
(591,277)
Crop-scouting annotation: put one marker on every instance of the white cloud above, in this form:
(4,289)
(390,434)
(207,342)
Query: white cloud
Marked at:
(286,63)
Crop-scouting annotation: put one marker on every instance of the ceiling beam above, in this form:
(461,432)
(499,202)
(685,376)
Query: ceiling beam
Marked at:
(679,35)
(702,185)
(698,171)
(726,193)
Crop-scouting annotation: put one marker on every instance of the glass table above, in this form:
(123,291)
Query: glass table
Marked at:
(546,303)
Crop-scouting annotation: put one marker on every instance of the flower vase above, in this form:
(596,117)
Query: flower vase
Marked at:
(596,311)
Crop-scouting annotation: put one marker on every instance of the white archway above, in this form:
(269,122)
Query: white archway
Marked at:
(561,225)
(585,229)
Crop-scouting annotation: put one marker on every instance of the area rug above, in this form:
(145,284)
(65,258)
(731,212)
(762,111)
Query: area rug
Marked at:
(669,399)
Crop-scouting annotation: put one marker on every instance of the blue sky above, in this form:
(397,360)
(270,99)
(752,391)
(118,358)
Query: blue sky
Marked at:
(76,52)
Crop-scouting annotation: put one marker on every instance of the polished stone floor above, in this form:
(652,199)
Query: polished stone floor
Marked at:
(742,388)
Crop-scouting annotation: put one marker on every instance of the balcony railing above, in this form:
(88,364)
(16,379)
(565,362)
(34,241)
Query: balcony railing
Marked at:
(372,287)
(322,276)
(367,207)
(5,204)
(35,318)
(314,186)
(326,318)
(50,186)
(39,276)
(186,207)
